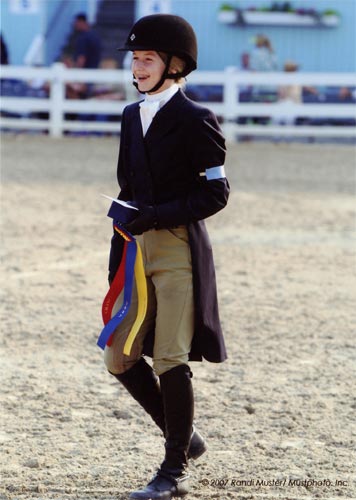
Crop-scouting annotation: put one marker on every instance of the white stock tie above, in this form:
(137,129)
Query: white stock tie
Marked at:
(148,109)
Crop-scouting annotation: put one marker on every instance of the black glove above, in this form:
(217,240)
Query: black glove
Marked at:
(146,220)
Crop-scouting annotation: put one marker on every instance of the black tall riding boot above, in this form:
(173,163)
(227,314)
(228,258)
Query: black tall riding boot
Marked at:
(171,479)
(142,383)
(178,403)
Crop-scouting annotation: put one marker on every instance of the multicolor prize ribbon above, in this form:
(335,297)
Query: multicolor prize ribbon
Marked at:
(131,265)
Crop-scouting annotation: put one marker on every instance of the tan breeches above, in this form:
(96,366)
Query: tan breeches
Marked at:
(170,309)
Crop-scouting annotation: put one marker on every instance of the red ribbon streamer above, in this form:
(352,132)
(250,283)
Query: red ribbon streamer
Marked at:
(114,291)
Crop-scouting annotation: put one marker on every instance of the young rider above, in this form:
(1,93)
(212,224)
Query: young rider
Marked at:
(170,165)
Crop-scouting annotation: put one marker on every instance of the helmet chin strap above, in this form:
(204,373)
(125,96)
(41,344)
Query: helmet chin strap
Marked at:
(165,75)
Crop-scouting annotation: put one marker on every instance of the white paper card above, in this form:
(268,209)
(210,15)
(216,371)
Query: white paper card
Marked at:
(120,202)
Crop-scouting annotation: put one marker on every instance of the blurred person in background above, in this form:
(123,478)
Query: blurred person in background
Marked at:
(291,94)
(4,52)
(263,57)
(244,66)
(347,94)
(244,61)
(87,50)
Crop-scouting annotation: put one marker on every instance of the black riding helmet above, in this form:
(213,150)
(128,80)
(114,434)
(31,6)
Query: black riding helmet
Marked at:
(166,33)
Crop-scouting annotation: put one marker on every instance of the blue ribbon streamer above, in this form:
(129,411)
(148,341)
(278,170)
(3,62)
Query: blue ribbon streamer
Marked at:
(111,326)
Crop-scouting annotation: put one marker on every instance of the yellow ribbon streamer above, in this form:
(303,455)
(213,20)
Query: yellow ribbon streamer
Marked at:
(141,287)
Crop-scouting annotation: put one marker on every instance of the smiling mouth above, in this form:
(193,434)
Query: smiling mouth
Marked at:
(142,78)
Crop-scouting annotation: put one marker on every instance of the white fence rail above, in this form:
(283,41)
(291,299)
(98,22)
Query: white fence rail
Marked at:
(229,110)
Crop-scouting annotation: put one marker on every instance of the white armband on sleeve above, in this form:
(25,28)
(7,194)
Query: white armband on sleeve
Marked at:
(214,173)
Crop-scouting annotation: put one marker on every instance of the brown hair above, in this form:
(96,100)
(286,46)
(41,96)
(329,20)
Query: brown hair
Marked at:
(177,65)
(264,41)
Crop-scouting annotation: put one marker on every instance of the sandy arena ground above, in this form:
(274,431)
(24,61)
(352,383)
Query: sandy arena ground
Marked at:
(279,415)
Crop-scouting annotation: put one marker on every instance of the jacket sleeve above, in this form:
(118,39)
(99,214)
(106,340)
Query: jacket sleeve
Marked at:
(117,243)
(125,191)
(209,193)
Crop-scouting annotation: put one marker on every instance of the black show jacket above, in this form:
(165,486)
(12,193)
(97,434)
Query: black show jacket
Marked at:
(162,169)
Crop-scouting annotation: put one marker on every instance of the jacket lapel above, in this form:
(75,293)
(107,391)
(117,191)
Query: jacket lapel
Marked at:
(165,119)
(137,142)
(136,126)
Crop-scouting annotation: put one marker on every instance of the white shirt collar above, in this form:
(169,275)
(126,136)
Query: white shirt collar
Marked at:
(153,103)
(162,97)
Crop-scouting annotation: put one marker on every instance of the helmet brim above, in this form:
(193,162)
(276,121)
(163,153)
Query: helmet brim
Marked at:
(191,65)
